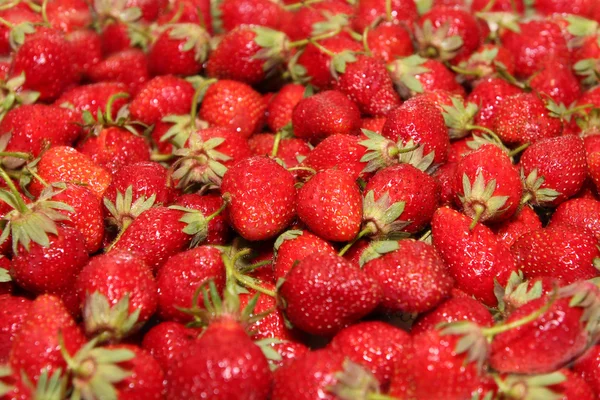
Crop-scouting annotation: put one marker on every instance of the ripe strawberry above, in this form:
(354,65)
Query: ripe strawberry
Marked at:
(234,105)
(324,292)
(129,67)
(93,97)
(456,241)
(488,95)
(161,96)
(189,11)
(330,204)
(559,251)
(523,118)
(415,74)
(14,313)
(367,11)
(421,122)
(588,367)
(15,15)
(279,110)
(582,213)
(341,152)
(179,50)
(165,340)
(258,12)
(444,176)
(222,364)
(36,348)
(86,46)
(218,226)
(578,7)
(515,6)
(50,79)
(556,81)
(329,14)
(523,222)
(289,150)
(272,325)
(373,124)
(295,245)
(389,41)
(65,164)
(69,15)
(117,293)
(115,37)
(182,275)
(255,187)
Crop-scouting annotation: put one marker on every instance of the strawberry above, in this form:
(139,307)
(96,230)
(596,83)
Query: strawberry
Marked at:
(116,38)
(161,96)
(487,185)
(444,176)
(389,41)
(240,12)
(254,187)
(587,367)
(222,364)
(455,240)
(326,16)
(14,313)
(375,345)
(343,116)
(36,348)
(128,67)
(281,106)
(86,46)
(234,105)
(272,325)
(165,340)
(69,15)
(559,251)
(523,118)
(578,7)
(367,11)
(50,79)
(581,213)
(189,11)
(556,81)
(289,150)
(15,16)
(524,221)
(342,152)
(330,204)
(295,245)
(324,292)
(118,294)
(515,6)
(415,74)
(93,97)
(554,169)
(218,226)
(182,275)
(486,62)
(373,124)
(488,95)
(179,50)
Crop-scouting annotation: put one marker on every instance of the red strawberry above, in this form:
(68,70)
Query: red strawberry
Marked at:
(15,15)
(165,340)
(162,96)
(499,5)
(182,275)
(488,95)
(290,150)
(414,74)
(324,292)
(189,11)
(373,124)
(341,152)
(330,204)
(559,251)
(93,97)
(295,245)
(272,325)
(129,67)
(68,15)
(556,81)
(279,110)
(389,41)
(218,226)
(456,242)
(259,12)
(523,222)
(222,364)
(14,313)
(579,7)
(582,213)
(86,46)
(593,162)
(179,50)
(234,105)
(444,176)
(115,37)
(255,187)
(588,368)
(367,11)
(485,62)
(330,14)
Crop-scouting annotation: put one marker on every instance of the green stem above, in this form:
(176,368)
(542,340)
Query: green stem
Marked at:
(232,272)
(388,10)
(254,266)
(196,99)
(6,23)
(366,231)
(312,171)
(518,149)
(490,132)
(45,13)
(219,211)
(109,105)
(16,154)
(464,71)
(479,210)
(276,142)
(295,6)
(380,396)
(161,157)
(425,235)
(322,48)
(126,223)
(365,42)
(22,207)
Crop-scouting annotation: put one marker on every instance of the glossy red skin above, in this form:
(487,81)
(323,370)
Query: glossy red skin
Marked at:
(523,118)
(342,152)
(373,344)
(273,324)
(373,124)
(297,249)
(93,97)
(69,15)
(444,176)
(562,252)
(167,57)
(182,275)
(147,378)
(456,308)
(162,96)
(234,145)
(422,122)
(218,226)
(318,64)
(367,11)
(574,387)
(129,67)
(116,275)
(488,95)
(155,235)
(150,9)
(396,271)
(194,11)
(258,12)
(493,163)
(461,23)
(562,163)
(499,5)
(223,364)
(279,110)
(146,179)
(488,69)
(593,162)
(31,126)
(47,61)
(556,81)
(330,204)
(115,38)
(114,148)
(439,78)
(234,105)
(537,43)
(302,21)
(324,293)
(389,41)
(456,243)
(308,377)
(36,346)
(578,7)
(583,213)
(559,328)
(325,114)
(165,340)
(86,46)
(14,311)
(14,15)
(87,217)
(258,186)
(50,269)
(518,225)
(289,351)
(289,150)
(588,367)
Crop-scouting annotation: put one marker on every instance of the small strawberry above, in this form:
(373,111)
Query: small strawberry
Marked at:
(488,95)
(160,97)
(324,292)
(582,213)
(281,106)
(255,187)
(165,340)
(20,19)
(179,50)
(524,221)
(129,67)
(14,313)
(293,246)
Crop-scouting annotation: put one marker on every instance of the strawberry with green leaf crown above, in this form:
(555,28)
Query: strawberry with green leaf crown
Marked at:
(292,151)
(583,213)
(129,67)
(93,97)
(219,229)
(20,21)
(293,246)
(414,74)
(14,312)
(179,49)
(324,17)
(399,11)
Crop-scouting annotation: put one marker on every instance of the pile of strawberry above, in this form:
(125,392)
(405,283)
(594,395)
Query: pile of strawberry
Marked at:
(326,199)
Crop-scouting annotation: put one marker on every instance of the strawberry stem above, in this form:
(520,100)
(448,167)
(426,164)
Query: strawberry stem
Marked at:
(254,266)
(126,223)
(519,149)
(366,231)
(16,154)
(196,99)
(109,105)
(479,210)
(276,142)
(6,23)
(216,213)
(295,6)
(161,157)
(232,272)
(22,207)
(388,10)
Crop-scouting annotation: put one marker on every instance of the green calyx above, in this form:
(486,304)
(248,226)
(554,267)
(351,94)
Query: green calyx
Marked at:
(124,210)
(533,192)
(478,199)
(586,295)
(581,27)
(588,68)
(459,117)
(274,47)
(516,292)
(381,152)
(354,382)
(5,276)
(48,387)
(5,372)
(196,223)
(437,43)
(12,94)
(404,74)
(589,122)
(95,124)
(529,387)
(377,249)
(381,217)
(110,323)
(195,38)
(287,235)
(497,21)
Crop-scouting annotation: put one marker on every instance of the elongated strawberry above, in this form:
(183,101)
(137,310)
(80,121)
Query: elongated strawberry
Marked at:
(293,246)
(179,50)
